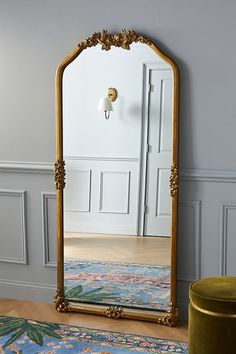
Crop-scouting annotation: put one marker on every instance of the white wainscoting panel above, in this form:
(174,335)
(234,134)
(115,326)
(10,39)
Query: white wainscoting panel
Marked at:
(163,204)
(114,193)
(165,121)
(13,227)
(78,191)
(49,228)
(109,191)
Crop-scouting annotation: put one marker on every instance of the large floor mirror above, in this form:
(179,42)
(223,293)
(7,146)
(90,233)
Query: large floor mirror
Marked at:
(116,178)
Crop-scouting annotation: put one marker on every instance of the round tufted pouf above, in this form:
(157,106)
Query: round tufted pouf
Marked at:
(212,316)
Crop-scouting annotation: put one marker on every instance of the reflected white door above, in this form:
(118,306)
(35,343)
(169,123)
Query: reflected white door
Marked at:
(157,199)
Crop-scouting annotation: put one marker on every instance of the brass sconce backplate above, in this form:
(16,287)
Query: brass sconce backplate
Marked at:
(112,94)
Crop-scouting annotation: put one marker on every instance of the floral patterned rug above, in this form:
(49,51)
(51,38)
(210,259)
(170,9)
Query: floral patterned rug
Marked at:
(134,285)
(22,336)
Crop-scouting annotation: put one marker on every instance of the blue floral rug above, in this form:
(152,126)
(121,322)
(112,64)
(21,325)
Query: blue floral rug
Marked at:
(134,285)
(22,336)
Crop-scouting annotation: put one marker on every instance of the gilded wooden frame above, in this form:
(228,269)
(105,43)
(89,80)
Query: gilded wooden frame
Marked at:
(169,318)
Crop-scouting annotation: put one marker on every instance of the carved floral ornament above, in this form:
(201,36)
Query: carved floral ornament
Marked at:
(114,312)
(123,40)
(60,174)
(174,180)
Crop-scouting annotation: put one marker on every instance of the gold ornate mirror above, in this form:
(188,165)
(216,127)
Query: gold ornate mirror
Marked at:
(117,144)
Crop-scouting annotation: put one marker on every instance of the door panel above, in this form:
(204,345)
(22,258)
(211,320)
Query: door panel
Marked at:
(157,199)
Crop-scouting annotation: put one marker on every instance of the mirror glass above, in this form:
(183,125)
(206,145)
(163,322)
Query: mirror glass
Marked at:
(117,204)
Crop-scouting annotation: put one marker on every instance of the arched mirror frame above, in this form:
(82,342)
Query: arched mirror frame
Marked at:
(107,40)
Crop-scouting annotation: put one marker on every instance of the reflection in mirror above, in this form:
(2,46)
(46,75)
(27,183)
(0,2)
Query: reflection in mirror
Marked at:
(117,204)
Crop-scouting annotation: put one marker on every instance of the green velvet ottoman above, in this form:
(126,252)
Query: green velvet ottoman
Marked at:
(212,316)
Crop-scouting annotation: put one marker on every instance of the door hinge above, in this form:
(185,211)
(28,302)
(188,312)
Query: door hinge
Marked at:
(148,148)
(146,209)
(150,88)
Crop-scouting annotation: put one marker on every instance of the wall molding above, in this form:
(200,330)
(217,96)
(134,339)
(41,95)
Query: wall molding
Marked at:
(197,206)
(102,158)
(45,228)
(22,197)
(224,208)
(27,167)
(101,192)
(208,175)
(89,172)
(186,174)
(158,213)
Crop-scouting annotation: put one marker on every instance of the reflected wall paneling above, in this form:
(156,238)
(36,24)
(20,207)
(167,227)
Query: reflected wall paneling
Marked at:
(96,186)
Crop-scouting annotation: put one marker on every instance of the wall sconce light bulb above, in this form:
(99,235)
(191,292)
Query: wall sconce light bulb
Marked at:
(105,103)
(107,114)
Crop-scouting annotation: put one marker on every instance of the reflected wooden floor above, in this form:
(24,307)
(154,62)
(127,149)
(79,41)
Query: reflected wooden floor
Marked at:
(47,312)
(120,248)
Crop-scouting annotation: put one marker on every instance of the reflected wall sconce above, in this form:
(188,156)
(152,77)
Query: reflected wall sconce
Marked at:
(105,103)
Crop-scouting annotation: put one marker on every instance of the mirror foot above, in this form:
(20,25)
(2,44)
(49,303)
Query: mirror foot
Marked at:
(171,318)
(62,304)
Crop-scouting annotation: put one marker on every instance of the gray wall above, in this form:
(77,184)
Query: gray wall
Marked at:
(34,37)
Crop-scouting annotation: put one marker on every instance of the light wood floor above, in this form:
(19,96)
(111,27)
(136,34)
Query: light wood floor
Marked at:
(120,248)
(47,312)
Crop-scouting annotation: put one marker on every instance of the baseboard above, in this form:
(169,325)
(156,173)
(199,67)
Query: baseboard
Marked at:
(27,291)
(97,228)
